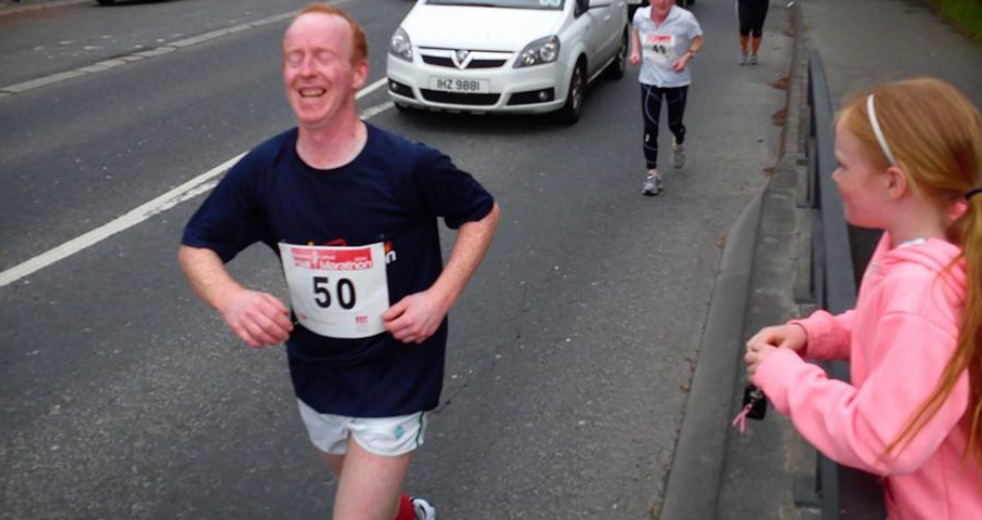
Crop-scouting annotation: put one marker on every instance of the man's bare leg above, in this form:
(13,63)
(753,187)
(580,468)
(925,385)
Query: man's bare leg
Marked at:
(369,485)
(335,462)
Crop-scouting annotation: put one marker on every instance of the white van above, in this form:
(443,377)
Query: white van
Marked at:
(518,56)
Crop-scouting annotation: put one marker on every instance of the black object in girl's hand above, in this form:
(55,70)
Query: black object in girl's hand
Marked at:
(758,403)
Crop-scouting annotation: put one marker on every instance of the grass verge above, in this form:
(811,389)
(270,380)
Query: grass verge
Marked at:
(966,15)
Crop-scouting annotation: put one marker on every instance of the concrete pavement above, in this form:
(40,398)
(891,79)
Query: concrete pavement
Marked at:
(767,257)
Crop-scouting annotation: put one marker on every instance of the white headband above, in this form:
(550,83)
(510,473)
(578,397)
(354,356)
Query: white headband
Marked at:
(871,113)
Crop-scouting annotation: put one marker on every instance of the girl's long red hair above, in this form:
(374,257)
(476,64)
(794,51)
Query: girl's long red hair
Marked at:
(935,134)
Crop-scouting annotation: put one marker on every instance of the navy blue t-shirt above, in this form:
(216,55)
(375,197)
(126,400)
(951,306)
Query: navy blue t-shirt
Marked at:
(392,192)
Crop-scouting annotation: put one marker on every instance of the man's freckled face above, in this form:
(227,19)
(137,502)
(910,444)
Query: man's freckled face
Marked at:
(317,69)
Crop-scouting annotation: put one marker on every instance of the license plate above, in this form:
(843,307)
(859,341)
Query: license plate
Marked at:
(472,86)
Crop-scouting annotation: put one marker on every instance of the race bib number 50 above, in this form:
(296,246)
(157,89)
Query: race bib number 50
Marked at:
(338,292)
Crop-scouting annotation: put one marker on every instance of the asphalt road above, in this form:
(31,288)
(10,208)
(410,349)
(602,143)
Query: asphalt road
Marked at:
(122,396)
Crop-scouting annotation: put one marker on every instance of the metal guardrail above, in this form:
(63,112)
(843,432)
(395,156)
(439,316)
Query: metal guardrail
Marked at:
(846,493)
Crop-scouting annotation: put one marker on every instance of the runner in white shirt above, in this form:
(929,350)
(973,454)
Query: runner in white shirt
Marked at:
(664,39)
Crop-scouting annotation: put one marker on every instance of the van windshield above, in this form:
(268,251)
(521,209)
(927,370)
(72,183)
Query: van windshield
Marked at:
(549,5)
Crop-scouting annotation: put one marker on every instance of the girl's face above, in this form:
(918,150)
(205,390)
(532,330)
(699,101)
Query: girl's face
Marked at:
(861,182)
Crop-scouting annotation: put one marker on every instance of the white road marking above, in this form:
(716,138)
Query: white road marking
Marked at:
(194,187)
(165,48)
(371,112)
(371,88)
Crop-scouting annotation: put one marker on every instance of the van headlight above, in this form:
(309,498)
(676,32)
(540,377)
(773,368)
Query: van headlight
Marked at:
(400,46)
(543,50)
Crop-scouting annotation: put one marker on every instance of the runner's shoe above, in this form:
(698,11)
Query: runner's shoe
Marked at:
(678,156)
(652,185)
(744,56)
(751,59)
(423,510)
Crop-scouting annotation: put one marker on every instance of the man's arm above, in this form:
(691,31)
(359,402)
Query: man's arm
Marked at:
(259,319)
(416,317)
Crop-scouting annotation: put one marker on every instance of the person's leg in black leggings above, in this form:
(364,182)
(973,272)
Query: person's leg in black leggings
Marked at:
(651,111)
(745,18)
(676,98)
(759,15)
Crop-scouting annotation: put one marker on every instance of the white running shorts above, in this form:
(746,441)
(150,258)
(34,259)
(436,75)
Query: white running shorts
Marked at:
(382,436)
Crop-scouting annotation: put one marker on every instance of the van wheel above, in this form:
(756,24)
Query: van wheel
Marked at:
(617,67)
(570,113)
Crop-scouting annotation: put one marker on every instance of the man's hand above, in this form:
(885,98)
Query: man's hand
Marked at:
(635,58)
(414,318)
(257,318)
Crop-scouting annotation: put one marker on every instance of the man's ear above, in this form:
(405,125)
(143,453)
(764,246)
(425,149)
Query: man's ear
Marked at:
(897,183)
(361,74)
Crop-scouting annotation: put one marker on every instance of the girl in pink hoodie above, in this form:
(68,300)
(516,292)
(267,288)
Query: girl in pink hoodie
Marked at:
(910,163)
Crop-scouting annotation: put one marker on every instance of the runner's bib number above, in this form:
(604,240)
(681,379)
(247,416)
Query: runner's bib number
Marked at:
(338,292)
(659,48)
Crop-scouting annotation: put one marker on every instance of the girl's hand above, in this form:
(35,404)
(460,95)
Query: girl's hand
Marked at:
(790,336)
(755,356)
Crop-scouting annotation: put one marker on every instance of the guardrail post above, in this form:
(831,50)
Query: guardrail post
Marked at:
(847,494)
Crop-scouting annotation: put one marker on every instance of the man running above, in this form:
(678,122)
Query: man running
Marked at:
(352,212)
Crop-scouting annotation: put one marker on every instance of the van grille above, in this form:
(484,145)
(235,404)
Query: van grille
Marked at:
(477,63)
(456,98)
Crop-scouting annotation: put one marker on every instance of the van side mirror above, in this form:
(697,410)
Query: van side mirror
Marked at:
(581,7)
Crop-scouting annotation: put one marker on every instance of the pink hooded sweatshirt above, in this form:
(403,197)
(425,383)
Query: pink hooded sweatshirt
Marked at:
(898,339)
